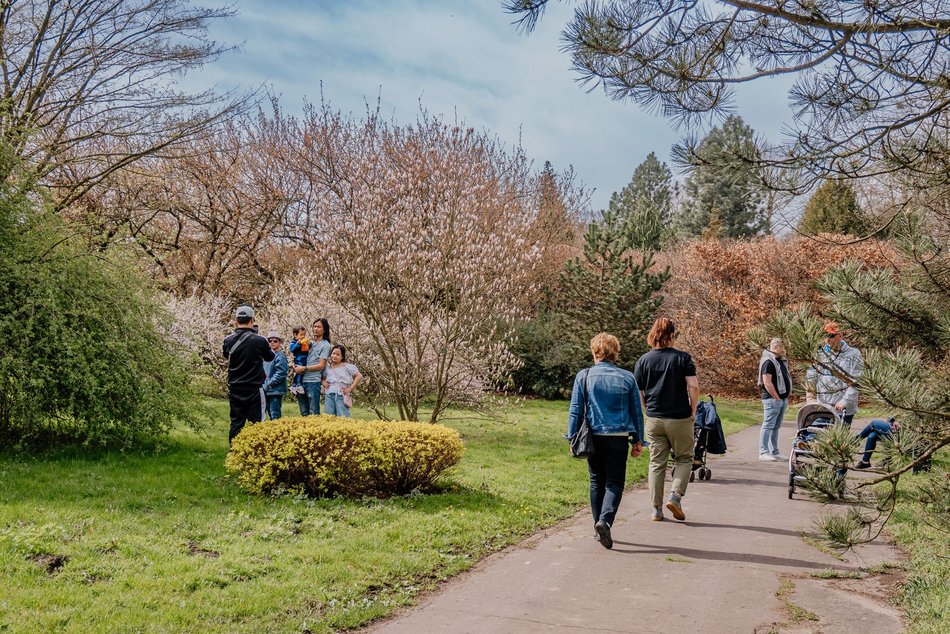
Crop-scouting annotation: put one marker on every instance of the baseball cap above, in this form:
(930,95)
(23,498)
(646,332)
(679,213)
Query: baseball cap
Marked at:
(273,335)
(244,312)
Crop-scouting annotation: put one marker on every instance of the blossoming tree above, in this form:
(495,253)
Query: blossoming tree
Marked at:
(423,234)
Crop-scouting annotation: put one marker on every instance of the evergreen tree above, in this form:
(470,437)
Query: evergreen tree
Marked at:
(606,290)
(554,219)
(713,230)
(726,183)
(644,206)
(553,230)
(833,208)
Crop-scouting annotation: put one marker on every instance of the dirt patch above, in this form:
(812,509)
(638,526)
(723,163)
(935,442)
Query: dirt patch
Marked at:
(197,550)
(50,562)
(882,587)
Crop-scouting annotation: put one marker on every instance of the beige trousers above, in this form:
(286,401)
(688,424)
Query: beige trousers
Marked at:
(665,434)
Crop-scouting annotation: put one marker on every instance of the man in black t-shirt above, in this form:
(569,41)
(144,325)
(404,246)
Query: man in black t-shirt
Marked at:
(246,352)
(776,384)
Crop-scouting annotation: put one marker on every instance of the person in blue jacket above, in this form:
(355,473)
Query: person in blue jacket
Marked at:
(613,412)
(275,383)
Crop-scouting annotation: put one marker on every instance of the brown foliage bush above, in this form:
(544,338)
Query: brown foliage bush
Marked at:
(720,289)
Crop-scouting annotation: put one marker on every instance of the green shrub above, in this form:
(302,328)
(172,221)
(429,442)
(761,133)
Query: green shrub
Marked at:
(327,455)
(549,357)
(84,357)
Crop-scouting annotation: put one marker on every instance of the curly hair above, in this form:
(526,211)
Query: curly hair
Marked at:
(605,346)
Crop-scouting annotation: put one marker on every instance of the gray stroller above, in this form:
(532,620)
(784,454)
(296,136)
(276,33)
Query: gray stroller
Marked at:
(812,419)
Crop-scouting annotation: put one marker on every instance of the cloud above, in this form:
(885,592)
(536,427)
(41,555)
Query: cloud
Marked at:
(461,59)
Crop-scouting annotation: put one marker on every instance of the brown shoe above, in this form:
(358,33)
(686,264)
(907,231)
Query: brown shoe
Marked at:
(674,507)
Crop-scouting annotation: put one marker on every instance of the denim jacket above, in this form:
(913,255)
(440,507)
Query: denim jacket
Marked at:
(613,402)
(276,372)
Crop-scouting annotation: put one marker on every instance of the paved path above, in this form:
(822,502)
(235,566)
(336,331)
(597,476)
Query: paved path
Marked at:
(722,570)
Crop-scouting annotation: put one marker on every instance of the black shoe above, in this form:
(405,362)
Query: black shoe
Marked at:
(603,533)
(863,465)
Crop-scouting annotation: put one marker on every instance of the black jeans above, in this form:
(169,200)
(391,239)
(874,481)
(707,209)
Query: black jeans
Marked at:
(247,404)
(608,472)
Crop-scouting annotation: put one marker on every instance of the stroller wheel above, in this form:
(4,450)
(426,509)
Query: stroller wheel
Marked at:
(708,474)
(692,476)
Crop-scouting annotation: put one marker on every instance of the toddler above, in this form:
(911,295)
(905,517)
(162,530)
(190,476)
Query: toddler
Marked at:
(299,348)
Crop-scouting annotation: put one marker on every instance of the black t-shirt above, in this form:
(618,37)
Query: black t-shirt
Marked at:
(661,375)
(246,361)
(769,368)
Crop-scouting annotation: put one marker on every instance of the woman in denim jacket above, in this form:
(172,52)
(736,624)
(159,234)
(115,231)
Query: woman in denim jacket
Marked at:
(615,418)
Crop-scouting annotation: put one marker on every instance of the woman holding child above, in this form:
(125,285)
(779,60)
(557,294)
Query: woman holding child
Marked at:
(312,370)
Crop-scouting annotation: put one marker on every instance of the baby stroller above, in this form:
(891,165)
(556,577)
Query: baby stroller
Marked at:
(812,418)
(708,438)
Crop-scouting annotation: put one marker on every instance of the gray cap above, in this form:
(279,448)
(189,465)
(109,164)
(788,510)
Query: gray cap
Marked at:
(245,312)
(273,335)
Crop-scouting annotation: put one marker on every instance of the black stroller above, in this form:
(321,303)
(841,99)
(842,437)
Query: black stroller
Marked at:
(812,419)
(708,438)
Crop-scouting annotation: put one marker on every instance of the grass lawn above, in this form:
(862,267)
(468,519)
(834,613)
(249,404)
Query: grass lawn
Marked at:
(926,591)
(162,540)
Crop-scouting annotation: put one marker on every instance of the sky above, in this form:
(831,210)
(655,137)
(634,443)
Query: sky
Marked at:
(462,59)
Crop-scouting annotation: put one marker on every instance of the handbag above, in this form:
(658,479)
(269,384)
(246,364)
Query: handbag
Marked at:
(348,400)
(582,442)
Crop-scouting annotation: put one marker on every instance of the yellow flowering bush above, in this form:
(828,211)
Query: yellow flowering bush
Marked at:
(326,455)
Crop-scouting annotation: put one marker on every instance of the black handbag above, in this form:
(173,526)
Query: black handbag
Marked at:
(582,442)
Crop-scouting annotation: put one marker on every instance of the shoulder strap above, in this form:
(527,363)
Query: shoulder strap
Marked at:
(586,389)
(247,333)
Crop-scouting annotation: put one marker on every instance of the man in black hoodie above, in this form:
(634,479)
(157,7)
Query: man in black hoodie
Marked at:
(246,352)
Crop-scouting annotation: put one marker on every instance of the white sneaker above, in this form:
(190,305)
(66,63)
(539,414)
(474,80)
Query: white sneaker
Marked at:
(767,457)
(779,457)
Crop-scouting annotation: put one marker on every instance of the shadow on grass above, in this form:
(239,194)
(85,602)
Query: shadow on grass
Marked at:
(179,475)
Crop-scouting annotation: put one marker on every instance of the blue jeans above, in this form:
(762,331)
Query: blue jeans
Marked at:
(309,401)
(335,407)
(875,430)
(774,412)
(608,472)
(274,404)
